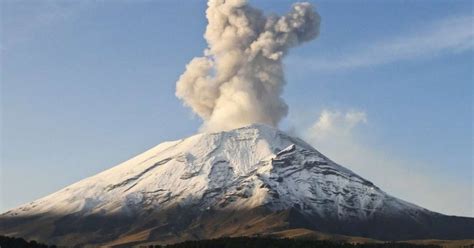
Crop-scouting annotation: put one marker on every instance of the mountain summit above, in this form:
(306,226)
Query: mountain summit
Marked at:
(254,180)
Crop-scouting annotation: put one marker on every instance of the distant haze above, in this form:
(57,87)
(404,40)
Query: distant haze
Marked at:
(240,79)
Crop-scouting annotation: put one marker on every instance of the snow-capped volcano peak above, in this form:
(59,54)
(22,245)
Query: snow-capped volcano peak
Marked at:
(243,168)
(246,181)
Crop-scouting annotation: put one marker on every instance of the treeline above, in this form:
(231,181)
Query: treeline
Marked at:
(248,242)
(241,242)
(11,242)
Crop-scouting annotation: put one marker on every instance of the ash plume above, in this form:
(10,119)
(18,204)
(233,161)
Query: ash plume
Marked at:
(240,79)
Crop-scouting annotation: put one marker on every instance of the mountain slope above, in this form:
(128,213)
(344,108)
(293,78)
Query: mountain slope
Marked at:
(248,181)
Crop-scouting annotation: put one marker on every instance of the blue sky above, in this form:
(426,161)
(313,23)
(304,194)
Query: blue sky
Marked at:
(87,85)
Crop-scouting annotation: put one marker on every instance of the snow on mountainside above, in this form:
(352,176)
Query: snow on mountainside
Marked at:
(244,168)
(249,181)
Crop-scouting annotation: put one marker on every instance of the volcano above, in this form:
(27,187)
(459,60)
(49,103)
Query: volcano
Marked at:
(250,181)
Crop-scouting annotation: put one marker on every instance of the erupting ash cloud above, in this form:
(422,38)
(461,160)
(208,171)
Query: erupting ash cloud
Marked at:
(239,80)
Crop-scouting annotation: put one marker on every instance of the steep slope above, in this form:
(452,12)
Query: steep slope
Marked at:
(248,181)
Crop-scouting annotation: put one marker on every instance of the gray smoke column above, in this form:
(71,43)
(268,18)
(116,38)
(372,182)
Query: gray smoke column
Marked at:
(240,79)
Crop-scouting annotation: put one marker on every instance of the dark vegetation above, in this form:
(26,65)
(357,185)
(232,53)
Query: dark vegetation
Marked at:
(10,242)
(241,242)
(248,242)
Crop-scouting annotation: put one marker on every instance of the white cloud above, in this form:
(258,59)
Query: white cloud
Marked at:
(336,125)
(448,36)
(338,135)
